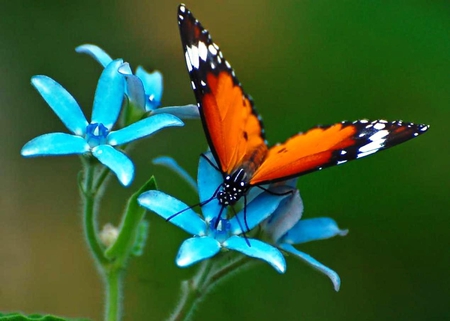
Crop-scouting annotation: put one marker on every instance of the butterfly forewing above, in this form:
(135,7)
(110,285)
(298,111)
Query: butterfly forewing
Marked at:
(235,133)
(322,147)
(231,124)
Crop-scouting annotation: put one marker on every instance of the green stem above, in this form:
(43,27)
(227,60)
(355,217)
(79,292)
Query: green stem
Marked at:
(110,271)
(113,293)
(89,216)
(223,272)
(190,294)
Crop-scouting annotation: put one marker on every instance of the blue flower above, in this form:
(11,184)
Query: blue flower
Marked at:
(285,228)
(210,236)
(144,89)
(95,137)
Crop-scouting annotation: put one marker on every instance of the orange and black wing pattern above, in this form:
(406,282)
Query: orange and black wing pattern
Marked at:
(327,146)
(232,126)
(234,129)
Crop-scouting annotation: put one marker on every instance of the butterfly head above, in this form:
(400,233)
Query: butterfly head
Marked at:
(235,185)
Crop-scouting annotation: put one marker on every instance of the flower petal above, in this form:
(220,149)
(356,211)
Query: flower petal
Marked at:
(209,180)
(285,216)
(182,112)
(108,95)
(334,277)
(62,103)
(312,229)
(196,249)
(116,161)
(165,206)
(255,212)
(171,164)
(95,52)
(135,88)
(55,144)
(142,128)
(153,86)
(259,250)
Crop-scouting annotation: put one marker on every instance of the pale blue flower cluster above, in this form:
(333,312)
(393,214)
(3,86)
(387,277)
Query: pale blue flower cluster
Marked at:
(97,137)
(278,216)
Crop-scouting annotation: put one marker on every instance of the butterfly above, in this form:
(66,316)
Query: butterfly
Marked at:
(235,133)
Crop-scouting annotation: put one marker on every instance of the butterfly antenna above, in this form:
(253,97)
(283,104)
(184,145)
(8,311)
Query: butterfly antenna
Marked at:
(195,205)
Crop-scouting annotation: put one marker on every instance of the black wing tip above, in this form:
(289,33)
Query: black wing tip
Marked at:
(184,13)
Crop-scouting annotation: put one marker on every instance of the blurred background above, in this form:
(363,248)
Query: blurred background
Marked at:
(305,63)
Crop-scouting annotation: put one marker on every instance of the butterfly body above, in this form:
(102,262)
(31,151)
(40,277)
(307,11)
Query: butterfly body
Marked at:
(235,132)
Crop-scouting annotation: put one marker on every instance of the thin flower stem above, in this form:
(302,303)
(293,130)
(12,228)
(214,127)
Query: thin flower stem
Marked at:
(217,275)
(113,293)
(89,218)
(110,272)
(101,178)
(190,294)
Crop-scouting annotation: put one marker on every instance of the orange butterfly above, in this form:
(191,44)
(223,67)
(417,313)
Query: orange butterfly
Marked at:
(235,133)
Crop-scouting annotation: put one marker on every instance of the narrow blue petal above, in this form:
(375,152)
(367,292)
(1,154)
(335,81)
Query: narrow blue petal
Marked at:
(196,249)
(285,216)
(209,180)
(116,161)
(171,164)
(135,88)
(153,83)
(259,250)
(255,212)
(142,128)
(334,277)
(62,103)
(182,112)
(55,144)
(312,229)
(108,95)
(95,52)
(165,206)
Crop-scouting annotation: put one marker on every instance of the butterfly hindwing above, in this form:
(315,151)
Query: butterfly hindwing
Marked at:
(322,147)
(232,126)
(235,133)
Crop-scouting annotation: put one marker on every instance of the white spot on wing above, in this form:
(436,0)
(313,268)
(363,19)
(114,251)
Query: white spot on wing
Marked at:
(193,56)
(203,52)
(212,50)
(370,148)
(379,136)
(379,126)
(182,8)
(188,61)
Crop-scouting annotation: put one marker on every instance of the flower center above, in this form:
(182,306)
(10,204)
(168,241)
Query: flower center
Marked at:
(96,134)
(153,102)
(220,230)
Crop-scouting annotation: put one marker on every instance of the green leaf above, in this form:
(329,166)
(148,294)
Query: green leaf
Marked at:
(130,225)
(33,317)
(141,238)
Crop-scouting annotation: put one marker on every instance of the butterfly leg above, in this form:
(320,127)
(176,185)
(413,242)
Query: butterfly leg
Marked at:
(291,191)
(195,205)
(210,162)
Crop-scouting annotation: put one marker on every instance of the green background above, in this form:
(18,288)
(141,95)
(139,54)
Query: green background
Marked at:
(305,63)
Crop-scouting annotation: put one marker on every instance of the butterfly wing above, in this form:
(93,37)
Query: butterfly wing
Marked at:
(232,126)
(337,144)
